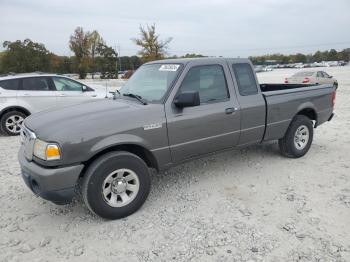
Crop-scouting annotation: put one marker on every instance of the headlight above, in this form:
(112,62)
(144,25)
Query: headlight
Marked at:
(46,151)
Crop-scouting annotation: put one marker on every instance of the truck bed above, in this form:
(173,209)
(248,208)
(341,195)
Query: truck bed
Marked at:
(284,101)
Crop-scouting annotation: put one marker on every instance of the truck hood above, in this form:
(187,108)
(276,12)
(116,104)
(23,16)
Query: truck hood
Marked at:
(91,117)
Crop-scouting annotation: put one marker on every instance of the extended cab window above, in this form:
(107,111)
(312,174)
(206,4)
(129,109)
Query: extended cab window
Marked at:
(209,81)
(36,84)
(245,79)
(64,84)
(9,84)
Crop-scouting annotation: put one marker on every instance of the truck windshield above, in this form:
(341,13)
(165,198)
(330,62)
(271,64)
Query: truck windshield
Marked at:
(152,81)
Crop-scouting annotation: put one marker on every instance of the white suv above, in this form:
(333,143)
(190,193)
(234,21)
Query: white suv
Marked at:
(22,95)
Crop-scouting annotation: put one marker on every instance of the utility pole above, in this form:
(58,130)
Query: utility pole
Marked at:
(120,63)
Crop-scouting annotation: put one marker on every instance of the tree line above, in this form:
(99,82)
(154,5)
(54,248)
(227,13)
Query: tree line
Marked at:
(319,56)
(92,54)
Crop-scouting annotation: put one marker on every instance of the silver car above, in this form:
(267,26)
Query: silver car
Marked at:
(22,95)
(312,78)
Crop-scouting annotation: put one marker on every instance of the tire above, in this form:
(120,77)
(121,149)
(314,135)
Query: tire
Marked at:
(112,173)
(292,145)
(11,122)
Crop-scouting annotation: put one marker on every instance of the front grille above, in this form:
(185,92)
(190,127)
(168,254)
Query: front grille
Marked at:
(28,138)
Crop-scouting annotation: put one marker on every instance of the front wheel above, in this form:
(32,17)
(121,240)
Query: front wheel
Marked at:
(298,138)
(116,185)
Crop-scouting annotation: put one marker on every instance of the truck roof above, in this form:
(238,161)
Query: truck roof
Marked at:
(201,59)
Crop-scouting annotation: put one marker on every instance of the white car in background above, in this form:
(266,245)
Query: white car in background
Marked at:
(312,78)
(25,94)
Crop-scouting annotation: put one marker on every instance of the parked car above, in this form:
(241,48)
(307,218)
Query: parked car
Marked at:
(22,95)
(258,69)
(170,111)
(311,78)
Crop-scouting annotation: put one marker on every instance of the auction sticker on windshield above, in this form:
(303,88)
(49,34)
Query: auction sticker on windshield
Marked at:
(169,67)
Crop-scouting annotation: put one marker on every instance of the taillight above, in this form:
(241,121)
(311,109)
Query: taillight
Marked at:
(286,80)
(306,80)
(333,98)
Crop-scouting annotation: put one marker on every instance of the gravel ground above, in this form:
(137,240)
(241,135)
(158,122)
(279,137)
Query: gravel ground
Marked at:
(243,205)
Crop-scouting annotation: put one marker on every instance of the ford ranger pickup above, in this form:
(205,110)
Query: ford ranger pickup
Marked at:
(170,111)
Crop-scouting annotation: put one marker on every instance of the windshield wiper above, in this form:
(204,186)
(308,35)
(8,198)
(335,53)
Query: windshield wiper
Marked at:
(139,98)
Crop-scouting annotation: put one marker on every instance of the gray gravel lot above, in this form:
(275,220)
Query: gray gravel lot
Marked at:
(243,205)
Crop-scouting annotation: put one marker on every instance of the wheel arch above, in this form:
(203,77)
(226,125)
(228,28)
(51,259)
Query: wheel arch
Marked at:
(15,108)
(309,112)
(136,149)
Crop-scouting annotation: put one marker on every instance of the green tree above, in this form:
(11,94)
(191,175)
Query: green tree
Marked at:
(107,61)
(25,56)
(317,57)
(298,58)
(344,55)
(130,62)
(332,55)
(1,56)
(80,44)
(151,47)
(61,64)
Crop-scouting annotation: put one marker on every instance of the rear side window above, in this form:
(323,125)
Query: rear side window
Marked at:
(245,79)
(36,84)
(11,84)
(319,74)
(209,81)
(325,74)
(64,84)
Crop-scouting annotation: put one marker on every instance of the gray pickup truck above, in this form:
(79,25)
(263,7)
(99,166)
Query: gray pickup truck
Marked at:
(169,112)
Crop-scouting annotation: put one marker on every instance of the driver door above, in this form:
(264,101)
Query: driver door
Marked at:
(69,92)
(214,124)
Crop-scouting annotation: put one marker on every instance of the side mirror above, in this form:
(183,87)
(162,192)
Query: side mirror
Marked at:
(330,76)
(84,89)
(187,99)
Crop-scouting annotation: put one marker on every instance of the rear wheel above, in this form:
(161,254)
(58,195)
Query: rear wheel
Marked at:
(116,185)
(11,122)
(298,138)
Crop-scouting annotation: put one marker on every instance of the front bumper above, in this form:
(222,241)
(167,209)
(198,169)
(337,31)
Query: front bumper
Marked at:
(53,184)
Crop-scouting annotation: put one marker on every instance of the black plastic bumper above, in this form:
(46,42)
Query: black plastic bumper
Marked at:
(53,184)
(59,197)
(330,118)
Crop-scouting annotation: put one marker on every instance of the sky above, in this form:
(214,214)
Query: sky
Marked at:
(236,28)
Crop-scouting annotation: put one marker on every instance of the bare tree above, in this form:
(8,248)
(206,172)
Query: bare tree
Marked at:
(152,47)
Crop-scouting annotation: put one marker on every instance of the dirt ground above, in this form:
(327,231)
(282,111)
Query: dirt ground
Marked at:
(250,204)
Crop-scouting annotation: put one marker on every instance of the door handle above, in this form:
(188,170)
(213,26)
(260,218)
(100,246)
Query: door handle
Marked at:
(230,110)
(26,94)
(62,95)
